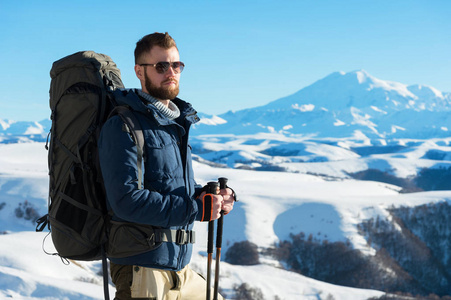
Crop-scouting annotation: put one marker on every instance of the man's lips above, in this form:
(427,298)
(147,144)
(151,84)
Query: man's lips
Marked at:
(169,82)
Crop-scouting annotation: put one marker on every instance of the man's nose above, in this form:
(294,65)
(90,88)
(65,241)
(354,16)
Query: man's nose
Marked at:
(170,71)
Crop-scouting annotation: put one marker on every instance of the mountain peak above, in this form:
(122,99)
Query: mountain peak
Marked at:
(360,75)
(342,90)
(363,76)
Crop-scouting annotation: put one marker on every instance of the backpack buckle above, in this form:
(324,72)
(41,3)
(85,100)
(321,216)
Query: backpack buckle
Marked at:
(185,237)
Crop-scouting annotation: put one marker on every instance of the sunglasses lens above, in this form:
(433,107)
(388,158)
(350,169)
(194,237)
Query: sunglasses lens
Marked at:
(178,66)
(162,67)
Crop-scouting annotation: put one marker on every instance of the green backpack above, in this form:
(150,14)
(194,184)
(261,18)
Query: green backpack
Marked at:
(81,101)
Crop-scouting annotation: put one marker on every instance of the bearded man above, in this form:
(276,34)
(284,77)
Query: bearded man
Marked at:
(153,215)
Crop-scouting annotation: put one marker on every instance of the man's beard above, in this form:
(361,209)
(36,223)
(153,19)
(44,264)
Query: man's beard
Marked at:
(162,93)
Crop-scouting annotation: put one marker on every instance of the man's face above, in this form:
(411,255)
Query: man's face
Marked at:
(163,86)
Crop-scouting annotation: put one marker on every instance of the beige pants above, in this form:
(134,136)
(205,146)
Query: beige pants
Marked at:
(133,282)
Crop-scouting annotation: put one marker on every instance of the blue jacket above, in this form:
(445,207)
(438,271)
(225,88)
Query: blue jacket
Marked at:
(168,197)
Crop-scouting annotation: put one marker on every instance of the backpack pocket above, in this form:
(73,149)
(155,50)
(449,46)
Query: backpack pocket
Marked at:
(127,239)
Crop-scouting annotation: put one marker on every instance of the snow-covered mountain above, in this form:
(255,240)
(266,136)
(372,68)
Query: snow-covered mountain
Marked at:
(343,105)
(339,105)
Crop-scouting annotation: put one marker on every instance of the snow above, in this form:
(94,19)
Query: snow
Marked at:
(214,120)
(426,91)
(339,123)
(38,129)
(27,159)
(5,124)
(399,88)
(272,206)
(26,272)
(304,107)
(378,110)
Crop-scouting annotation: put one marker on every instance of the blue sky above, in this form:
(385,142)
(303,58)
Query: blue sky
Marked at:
(238,54)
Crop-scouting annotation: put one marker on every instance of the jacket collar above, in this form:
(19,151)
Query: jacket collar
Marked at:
(130,98)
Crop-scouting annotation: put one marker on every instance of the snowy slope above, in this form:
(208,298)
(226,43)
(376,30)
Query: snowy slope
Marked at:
(272,205)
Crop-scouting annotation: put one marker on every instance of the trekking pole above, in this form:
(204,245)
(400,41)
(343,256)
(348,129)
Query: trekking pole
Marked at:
(212,189)
(222,185)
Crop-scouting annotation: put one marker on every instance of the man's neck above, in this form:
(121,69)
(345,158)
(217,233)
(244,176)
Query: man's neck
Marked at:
(165,102)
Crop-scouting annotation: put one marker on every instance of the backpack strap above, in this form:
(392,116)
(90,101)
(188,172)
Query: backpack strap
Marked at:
(134,128)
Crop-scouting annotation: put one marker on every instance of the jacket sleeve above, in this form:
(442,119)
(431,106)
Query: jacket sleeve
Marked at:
(118,162)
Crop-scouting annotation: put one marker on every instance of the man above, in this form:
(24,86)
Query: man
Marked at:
(154,265)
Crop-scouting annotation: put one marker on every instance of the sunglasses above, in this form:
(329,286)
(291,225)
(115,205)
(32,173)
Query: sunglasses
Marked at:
(162,66)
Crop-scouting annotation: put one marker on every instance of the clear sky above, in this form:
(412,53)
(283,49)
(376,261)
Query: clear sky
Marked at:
(238,53)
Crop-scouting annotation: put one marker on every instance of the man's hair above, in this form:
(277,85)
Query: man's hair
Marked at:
(144,45)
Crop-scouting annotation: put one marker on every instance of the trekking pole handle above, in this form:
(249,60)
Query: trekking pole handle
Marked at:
(222,185)
(222,182)
(213,187)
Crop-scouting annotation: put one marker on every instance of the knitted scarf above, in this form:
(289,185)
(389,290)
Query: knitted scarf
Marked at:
(172,112)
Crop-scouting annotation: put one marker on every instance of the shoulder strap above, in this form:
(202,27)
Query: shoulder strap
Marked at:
(130,120)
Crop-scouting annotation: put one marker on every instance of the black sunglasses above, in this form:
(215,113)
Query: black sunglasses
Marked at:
(162,66)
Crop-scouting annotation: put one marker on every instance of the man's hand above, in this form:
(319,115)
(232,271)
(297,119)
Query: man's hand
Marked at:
(217,204)
(229,200)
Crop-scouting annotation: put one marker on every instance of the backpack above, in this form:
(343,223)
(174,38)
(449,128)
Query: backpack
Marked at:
(81,100)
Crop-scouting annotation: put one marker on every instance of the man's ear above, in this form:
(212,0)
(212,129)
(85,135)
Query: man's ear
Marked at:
(139,71)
